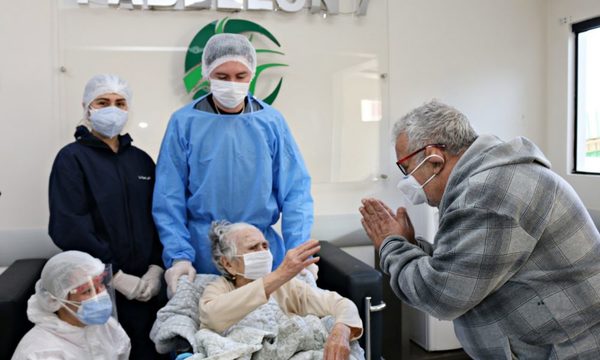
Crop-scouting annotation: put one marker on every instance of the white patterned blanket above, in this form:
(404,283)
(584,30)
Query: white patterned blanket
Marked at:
(267,333)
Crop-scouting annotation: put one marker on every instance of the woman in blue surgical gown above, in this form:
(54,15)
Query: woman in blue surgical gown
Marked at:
(229,156)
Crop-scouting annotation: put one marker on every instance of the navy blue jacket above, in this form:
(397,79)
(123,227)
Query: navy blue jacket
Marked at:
(101,203)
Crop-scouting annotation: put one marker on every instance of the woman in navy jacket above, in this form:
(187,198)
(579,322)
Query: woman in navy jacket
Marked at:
(100,203)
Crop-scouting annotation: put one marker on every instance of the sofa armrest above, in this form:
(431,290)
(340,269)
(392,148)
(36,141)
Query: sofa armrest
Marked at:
(17,284)
(357,281)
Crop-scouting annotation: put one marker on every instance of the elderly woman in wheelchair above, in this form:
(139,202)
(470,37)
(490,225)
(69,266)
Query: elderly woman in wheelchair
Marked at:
(241,253)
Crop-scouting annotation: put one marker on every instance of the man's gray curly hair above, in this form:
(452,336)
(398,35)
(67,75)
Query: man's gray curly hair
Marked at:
(435,123)
(222,239)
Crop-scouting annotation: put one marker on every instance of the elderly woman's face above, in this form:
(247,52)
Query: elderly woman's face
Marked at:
(250,240)
(246,241)
(111,99)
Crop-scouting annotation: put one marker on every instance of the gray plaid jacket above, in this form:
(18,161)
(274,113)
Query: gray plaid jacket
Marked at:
(515,262)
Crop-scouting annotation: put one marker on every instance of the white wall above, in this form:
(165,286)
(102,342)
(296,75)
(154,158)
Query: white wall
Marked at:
(27,110)
(28,124)
(486,57)
(559,131)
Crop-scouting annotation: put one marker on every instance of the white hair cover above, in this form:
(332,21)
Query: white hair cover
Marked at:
(221,48)
(104,84)
(62,273)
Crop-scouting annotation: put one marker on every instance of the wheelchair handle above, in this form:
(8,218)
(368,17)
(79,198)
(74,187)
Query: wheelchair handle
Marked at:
(368,310)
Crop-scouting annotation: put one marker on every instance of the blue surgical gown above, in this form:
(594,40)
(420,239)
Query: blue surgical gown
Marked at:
(241,168)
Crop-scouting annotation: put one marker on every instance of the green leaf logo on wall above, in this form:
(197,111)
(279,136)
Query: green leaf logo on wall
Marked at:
(193,60)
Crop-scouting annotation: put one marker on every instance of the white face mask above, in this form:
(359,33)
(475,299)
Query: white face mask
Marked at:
(257,264)
(410,187)
(108,121)
(229,93)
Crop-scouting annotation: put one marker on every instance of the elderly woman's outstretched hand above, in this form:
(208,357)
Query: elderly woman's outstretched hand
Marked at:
(299,258)
(295,261)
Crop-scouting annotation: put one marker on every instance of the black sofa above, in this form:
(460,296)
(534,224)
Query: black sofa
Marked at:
(350,277)
(338,271)
(16,286)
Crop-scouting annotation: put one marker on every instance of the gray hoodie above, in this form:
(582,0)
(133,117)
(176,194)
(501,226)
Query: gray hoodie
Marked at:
(515,262)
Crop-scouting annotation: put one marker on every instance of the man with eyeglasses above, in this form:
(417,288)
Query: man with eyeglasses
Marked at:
(516,258)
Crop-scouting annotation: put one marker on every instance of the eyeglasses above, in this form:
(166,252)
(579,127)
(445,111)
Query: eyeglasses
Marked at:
(399,162)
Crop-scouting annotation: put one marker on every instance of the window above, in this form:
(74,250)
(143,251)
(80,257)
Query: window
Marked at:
(587,97)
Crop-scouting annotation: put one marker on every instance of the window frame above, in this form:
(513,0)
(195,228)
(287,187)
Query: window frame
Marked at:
(578,28)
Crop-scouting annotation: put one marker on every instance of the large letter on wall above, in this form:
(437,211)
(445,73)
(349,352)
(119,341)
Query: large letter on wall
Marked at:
(199,4)
(133,2)
(332,6)
(290,5)
(116,2)
(260,5)
(230,4)
(162,2)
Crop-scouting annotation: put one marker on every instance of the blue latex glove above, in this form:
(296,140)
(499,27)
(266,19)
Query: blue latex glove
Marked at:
(183,356)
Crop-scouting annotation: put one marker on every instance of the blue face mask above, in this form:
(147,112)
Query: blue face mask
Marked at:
(96,310)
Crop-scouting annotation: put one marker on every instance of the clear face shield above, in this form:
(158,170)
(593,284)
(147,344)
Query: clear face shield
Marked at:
(93,302)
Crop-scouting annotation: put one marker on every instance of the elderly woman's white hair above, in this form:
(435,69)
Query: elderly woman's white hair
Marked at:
(222,238)
(104,84)
(62,273)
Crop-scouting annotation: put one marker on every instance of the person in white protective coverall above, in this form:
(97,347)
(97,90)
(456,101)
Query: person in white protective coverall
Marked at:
(73,313)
